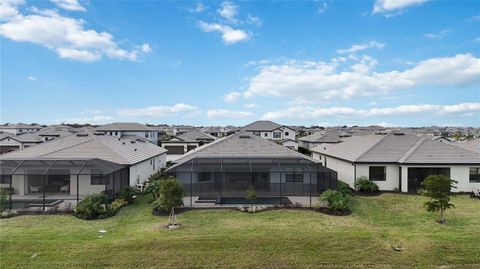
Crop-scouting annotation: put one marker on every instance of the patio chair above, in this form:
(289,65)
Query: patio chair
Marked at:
(64,188)
(34,189)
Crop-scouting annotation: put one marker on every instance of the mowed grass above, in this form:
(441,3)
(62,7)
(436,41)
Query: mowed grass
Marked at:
(269,239)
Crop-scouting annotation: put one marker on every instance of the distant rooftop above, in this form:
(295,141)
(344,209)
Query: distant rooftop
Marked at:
(124,126)
(262,125)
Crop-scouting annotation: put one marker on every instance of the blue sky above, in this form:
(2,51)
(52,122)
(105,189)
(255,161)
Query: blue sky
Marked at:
(407,63)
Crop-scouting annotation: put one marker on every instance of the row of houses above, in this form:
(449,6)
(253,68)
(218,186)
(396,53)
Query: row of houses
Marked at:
(66,165)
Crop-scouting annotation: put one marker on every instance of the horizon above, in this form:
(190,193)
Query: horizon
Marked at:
(410,65)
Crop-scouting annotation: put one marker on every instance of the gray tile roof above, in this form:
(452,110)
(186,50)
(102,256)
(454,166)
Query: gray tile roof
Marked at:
(322,137)
(22,137)
(195,136)
(472,145)
(124,126)
(392,148)
(20,126)
(262,125)
(89,146)
(242,145)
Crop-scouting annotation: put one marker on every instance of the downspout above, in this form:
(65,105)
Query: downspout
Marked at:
(354,175)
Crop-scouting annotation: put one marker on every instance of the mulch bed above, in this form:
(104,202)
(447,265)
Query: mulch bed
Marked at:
(327,211)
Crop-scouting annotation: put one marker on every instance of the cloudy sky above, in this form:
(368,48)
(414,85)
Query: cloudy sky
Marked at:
(386,62)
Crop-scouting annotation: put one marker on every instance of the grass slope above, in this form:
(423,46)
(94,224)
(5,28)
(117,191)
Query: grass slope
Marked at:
(270,239)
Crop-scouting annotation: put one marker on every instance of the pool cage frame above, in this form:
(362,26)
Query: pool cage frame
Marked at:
(315,178)
(115,176)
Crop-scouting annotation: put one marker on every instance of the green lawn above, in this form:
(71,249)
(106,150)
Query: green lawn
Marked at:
(269,239)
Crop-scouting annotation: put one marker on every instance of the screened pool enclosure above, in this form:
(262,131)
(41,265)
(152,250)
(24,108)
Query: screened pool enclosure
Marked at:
(49,184)
(219,178)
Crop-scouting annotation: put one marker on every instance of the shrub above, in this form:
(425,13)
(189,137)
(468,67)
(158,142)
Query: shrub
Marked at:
(170,194)
(153,184)
(94,206)
(3,199)
(251,195)
(118,203)
(336,201)
(304,151)
(343,188)
(8,213)
(128,194)
(365,185)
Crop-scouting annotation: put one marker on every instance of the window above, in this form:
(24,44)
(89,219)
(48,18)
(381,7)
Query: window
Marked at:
(474,174)
(256,133)
(294,174)
(377,173)
(99,180)
(5,179)
(116,133)
(265,134)
(204,176)
(147,134)
(153,162)
(287,133)
(277,134)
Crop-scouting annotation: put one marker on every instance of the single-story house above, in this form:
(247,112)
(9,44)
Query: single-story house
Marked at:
(178,145)
(11,142)
(400,161)
(318,138)
(219,132)
(64,170)
(119,129)
(223,170)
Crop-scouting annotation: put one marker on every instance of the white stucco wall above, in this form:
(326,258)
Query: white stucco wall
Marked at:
(392,181)
(345,170)
(141,171)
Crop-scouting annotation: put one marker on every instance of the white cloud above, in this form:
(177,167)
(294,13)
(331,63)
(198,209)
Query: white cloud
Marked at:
(251,106)
(199,8)
(227,114)
(394,7)
(159,111)
(232,97)
(254,20)
(31,78)
(322,8)
(229,35)
(71,5)
(436,36)
(304,113)
(228,11)
(68,37)
(8,9)
(307,80)
(359,47)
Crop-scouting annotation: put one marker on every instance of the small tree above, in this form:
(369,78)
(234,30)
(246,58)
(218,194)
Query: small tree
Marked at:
(153,185)
(439,189)
(170,194)
(251,195)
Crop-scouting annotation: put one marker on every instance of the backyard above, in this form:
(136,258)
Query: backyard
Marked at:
(268,239)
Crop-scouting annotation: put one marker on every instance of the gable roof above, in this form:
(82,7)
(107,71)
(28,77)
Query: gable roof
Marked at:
(89,146)
(322,137)
(241,145)
(22,137)
(397,148)
(262,125)
(194,136)
(124,126)
(20,126)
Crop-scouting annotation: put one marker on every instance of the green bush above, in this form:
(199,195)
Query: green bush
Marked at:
(118,203)
(343,188)
(153,184)
(170,194)
(94,206)
(365,185)
(128,193)
(3,199)
(251,195)
(336,201)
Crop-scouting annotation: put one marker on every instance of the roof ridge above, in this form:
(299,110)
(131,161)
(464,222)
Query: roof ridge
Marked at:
(375,144)
(71,146)
(412,149)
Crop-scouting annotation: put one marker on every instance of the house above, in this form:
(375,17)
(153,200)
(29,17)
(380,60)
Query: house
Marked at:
(221,172)
(183,143)
(289,143)
(270,130)
(399,161)
(54,132)
(119,129)
(58,173)
(318,138)
(10,142)
(219,132)
(20,128)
